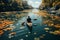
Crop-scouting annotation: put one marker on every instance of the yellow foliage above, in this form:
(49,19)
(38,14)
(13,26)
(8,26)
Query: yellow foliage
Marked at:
(56,3)
(1,32)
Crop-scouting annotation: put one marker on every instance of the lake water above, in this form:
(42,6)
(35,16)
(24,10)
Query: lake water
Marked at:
(23,33)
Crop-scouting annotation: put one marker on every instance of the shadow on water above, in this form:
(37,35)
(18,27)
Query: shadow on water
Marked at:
(29,28)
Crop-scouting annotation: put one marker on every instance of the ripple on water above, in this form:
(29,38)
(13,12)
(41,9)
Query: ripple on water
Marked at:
(21,39)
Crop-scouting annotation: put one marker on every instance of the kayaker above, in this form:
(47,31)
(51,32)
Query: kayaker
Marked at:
(29,24)
(28,19)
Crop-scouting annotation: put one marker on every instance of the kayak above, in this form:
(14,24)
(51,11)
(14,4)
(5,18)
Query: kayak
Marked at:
(29,24)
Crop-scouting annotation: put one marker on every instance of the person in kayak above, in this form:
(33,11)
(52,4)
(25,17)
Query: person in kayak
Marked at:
(29,19)
(29,24)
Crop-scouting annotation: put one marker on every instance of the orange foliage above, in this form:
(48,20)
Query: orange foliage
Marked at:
(56,3)
(1,32)
(57,26)
(5,23)
(13,33)
(57,32)
(8,29)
